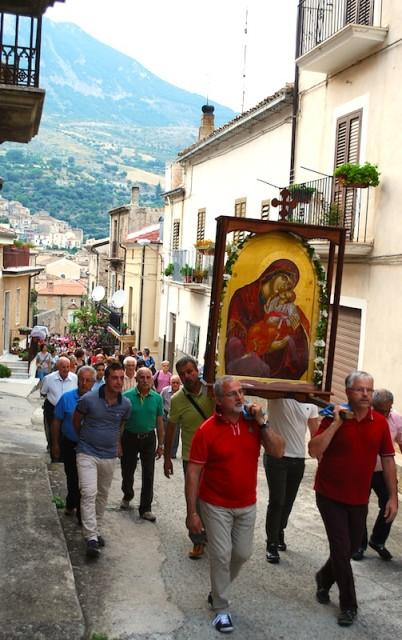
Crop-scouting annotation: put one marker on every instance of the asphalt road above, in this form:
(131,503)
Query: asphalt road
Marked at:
(144,587)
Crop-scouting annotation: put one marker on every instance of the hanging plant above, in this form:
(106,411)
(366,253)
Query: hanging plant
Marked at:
(358,176)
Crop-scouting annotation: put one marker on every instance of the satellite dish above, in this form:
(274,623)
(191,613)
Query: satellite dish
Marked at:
(98,293)
(118,298)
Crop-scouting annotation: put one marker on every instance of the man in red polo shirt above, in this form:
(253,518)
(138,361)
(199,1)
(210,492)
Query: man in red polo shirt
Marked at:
(222,473)
(346,447)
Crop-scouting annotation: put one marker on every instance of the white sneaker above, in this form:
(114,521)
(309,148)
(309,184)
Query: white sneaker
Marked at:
(223,623)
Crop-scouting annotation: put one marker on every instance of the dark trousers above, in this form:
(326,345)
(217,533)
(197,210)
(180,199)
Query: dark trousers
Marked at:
(344,524)
(67,450)
(134,444)
(381,528)
(48,413)
(284,476)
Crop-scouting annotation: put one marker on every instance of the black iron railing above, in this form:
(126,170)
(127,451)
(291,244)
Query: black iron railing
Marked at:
(320,19)
(325,202)
(20,39)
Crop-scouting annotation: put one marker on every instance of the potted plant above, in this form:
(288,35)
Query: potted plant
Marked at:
(301,192)
(169,270)
(24,331)
(206,247)
(199,275)
(124,327)
(187,272)
(357,176)
(5,372)
(333,215)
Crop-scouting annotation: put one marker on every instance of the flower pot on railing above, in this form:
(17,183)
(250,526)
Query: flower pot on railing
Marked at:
(205,247)
(352,175)
(301,192)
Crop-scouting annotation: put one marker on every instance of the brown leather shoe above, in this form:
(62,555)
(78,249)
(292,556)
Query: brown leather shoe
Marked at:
(196,552)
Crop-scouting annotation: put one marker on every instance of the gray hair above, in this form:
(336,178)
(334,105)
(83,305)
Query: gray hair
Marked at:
(355,375)
(380,396)
(86,369)
(128,360)
(219,383)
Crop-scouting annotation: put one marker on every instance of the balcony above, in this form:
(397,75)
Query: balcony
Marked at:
(21,100)
(334,34)
(325,202)
(116,252)
(192,269)
(15,257)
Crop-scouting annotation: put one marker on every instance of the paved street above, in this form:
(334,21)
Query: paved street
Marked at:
(145,588)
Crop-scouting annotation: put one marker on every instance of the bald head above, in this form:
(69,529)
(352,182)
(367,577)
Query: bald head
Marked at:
(63,366)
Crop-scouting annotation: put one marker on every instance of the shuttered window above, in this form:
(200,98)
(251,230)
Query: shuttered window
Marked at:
(240,212)
(265,207)
(346,357)
(176,235)
(359,12)
(201,224)
(347,149)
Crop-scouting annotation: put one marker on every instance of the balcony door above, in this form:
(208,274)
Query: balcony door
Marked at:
(359,12)
(347,149)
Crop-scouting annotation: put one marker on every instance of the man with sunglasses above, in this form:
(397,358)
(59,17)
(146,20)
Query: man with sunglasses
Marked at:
(347,446)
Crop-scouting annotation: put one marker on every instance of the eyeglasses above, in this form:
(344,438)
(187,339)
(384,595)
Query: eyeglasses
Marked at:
(361,389)
(233,394)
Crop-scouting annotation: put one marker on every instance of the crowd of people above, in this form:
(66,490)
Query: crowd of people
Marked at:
(101,408)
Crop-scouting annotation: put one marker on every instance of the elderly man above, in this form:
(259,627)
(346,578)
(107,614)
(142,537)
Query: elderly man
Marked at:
(382,402)
(53,387)
(99,420)
(139,438)
(64,436)
(222,473)
(129,364)
(189,408)
(166,395)
(347,446)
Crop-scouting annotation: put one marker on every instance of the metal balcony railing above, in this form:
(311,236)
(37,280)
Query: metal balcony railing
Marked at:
(325,202)
(191,266)
(320,19)
(20,39)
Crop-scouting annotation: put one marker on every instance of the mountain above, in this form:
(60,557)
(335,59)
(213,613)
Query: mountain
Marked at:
(107,122)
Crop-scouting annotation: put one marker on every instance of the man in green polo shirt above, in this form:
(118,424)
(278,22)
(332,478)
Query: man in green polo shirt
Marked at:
(190,406)
(139,438)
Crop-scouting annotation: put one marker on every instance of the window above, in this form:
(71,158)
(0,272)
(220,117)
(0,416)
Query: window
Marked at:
(201,224)
(17,306)
(240,212)
(176,235)
(347,149)
(191,340)
(359,12)
(265,207)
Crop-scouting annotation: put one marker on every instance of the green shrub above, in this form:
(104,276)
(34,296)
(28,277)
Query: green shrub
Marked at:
(5,372)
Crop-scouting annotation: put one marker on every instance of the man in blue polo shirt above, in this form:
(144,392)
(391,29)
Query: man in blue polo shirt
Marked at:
(139,438)
(99,421)
(64,438)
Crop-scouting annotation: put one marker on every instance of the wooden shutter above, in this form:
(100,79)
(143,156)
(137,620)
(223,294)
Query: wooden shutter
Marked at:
(240,212)
(359,12)
(201,224)
(176,235)
(265,207)
(346,357)
(347,149)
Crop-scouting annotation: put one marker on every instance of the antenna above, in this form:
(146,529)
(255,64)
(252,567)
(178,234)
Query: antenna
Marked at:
(244,62)
(118,299)
(98,293)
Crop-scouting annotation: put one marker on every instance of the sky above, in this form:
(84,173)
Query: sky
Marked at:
(200,46)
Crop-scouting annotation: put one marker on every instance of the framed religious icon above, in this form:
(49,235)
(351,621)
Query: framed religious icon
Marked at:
(270,306)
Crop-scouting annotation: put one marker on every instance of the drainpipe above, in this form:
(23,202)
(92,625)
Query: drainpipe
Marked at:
(141,296)
(295,102)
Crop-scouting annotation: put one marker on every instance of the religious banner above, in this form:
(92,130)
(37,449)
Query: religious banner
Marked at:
(269,312)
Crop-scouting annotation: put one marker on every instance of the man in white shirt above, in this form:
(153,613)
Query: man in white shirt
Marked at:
(290,419)
(130,365)
(53,387)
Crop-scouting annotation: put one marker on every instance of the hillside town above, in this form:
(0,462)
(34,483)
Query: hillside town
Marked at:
(228,352)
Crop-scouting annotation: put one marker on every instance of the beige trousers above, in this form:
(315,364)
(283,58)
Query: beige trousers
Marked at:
(95,477)
(230,534)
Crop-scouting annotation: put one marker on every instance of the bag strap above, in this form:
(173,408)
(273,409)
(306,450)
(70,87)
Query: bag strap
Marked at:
(196,405)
